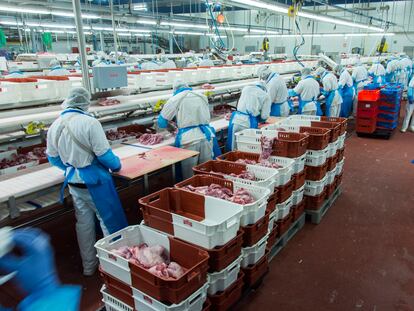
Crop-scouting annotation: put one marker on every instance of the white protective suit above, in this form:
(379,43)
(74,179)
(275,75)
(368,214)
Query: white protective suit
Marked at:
(308,90)
(393,70)
(378,70)
(406,69)
(254,100)
(190,109)
(345,79)
(330,84)
(169,64)
(89,132)
(206,63)
(150,66)
(409,109)
(57,70)
(278,92)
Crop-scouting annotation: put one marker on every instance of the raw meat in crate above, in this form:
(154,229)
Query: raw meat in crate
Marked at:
(241,196)
(150,139)
(244,175)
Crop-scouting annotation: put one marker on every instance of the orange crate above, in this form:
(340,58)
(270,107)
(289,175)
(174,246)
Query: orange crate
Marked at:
(118,289)
(224,300)
(343,122)
(255,232)
(318,137)
(316,172)
(334,127)
(299,179)
(366,125)
(289,144)
(315,202)
(285,191)
(369,95)
(332,161)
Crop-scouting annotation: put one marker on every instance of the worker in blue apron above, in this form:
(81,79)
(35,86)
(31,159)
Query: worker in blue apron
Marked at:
(346,90)
(277,90)
(34,271)
(192,113)
(392,70)
(308,91)
(56,69)
(377,73)
(333,100)
(253,108)
(76,143)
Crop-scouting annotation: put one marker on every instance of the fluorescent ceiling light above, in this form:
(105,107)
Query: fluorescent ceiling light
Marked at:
(177,24)
(69,14)
(188,33)
(325,35)
(48,25)
(322,18)
(264,31)
(23,10)
(146,22)
(124,34)
(142,35)
(140,7)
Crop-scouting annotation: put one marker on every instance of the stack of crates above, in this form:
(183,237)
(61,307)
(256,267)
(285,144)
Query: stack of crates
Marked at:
(379,109)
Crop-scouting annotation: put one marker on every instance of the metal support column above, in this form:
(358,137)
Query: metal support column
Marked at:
(81,44)
(101,38)
(171,43)
(111,4)
(33,40)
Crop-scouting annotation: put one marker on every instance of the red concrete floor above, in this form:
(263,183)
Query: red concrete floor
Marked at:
(361,257)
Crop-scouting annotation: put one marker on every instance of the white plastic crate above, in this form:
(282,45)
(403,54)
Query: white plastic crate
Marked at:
(314,188)
(316,157)
(285,173)
(331,176)
(112,303)
(341,141)
(297,195)
(340,167)
(253,254)
(332,148)
(44,90)
(265,177)
(195,302)
(248,140)
(272,218)
(219,281)
(299,164)
(284,208)
(9,93)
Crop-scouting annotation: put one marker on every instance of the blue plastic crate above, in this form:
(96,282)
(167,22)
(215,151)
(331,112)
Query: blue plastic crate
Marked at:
(372,86)
(388,116)
(388,107)
(387,125)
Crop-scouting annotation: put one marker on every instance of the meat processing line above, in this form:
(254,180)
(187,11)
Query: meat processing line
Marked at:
(27,190)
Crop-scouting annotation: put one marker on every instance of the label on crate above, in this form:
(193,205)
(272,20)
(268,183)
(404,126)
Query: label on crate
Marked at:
(148,299)
(187,222)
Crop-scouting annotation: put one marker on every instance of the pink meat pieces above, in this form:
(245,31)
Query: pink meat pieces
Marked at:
(120,134)
(150,139)
(37,153)
(154,258)
(241,196)
(266,144)
(108,102)
(246,161)
(244,175)
(15,160)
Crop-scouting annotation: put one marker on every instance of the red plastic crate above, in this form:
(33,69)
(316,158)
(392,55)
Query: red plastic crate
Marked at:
(332,161)
(271,240)
(341,153)
(343,122)
(315,202)
(254,273)
(285,191)
(223,301)
(284,224)
(298,210)
(367,109)
(318,137)
(289,144)
(255,232)
(366,125)
(118,289)
(299,179)
(369,95)
(316,172)
(334,127)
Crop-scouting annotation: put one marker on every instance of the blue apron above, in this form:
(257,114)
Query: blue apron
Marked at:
(303,103)
(329,97)
(275,110)
(207,130)
(100,185)
(254,124)
(347,94)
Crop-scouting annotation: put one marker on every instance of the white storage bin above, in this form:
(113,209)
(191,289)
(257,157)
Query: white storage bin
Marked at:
(219,281)
(297,195)
(340,167)
(204,75)
(75,82)
(285,173)
(316,157)
(253,254)
(9,93)
(332,147)
(249,140)
(272,218)
(341,141)
(331,176)
(195,302)
(299,164)
(314,188)
(284,208)
(44,90)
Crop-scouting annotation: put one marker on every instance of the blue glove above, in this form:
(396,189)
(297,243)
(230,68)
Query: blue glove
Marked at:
(57,161)
(110,160)
(36,272)
(162,122)
(292,93)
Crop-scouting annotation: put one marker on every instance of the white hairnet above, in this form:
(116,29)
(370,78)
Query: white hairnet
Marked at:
(320,71)
(305,71)
(264,72)
(14,69)
(338,68)
(78,97)
(54,63)
(178,84)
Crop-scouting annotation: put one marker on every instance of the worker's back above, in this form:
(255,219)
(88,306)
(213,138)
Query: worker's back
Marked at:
(277,89)
(359,73)
(308,89)
(255,101)
(345,79)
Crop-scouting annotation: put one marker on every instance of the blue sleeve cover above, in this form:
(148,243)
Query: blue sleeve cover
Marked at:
(292,93)
(162,122)
(62,298)
(110,160)
(57,161)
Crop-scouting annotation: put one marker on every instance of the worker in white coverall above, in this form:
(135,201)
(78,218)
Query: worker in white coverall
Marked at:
(34,271)
(409,109)
(360,78)
(253,108)
(333,100)
(167,63)
(406,65)
(277,90)
(206,61)
(393,70)
(14,72)
(56,69)
(377,72)
(308,91)
(346,90)
(76,143)
(192,114)
(150,65)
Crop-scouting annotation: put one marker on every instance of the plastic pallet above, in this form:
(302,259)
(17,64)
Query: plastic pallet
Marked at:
(285,238)
(317,216)
(380,133)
